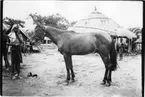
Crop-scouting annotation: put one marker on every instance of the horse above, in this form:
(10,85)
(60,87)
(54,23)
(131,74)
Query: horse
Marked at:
(71,43)
(5,40)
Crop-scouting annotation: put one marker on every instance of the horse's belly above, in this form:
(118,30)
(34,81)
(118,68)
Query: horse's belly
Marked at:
(78,46)
(81,53)
(82,49)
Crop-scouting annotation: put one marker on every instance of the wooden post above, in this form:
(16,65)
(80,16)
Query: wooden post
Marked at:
(130,46)
(46,41)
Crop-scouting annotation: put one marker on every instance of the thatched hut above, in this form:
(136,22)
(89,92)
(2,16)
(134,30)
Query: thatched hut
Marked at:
(96,21)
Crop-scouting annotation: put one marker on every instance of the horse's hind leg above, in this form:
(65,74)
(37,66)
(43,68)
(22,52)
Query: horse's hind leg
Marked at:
(105,77)
(109,77)
(109,80)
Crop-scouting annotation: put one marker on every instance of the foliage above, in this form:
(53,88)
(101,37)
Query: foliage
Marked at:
(137,31)
(72,23)
(54,20)
(30,34)
(11,21)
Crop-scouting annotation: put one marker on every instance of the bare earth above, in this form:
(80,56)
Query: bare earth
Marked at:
(89,70)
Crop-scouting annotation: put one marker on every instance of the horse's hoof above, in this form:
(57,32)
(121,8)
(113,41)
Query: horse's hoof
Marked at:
(67,81)
(73,80)
(66,84)
(103,83)
(108,84)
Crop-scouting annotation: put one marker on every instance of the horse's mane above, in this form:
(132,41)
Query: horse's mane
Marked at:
(55,29)
(71,31)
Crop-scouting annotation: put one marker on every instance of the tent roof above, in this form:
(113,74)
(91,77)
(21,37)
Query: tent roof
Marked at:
(46,38)
(139,40)
(23,34)
(96,21)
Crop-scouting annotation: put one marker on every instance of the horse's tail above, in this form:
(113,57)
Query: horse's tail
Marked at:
(113,56)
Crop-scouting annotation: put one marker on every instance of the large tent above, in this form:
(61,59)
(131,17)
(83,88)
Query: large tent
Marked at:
(96,22)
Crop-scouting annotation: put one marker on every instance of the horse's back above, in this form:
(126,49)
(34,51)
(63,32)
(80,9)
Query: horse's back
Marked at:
(99,35)
(78,37)
(81,43)
(86,38)
(103,36)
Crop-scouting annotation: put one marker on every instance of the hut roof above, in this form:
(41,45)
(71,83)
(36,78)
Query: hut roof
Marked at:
(46,38)
(96,21)
(23,34)
(138,40)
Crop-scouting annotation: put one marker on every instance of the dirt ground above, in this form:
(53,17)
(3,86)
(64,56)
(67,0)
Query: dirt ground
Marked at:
(89,71)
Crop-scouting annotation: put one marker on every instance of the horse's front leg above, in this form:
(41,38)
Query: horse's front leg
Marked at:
(68,75)
(68,63)
(73,75)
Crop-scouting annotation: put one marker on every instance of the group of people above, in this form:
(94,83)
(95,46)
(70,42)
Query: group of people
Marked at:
(122,47)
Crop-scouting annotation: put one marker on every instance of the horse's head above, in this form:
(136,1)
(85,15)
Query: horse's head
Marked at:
(39,34)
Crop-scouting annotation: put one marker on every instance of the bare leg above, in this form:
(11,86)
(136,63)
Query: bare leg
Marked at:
(13,68)
(18,67)
(6,62)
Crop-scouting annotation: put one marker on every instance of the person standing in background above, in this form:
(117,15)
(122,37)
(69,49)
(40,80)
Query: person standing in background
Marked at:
(121,49)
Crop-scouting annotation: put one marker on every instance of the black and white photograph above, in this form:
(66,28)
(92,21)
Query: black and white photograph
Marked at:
(72,48)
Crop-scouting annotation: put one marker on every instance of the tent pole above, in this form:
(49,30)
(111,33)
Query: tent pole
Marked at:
(130,45)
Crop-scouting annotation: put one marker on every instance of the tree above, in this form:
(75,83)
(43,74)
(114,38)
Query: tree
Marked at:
(11,21)
(137,31)
(54,20)
(72,23)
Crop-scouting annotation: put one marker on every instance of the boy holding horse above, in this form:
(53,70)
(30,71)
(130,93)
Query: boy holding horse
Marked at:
(16,57)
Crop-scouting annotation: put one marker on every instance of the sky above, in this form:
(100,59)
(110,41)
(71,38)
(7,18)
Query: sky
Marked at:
(126,13)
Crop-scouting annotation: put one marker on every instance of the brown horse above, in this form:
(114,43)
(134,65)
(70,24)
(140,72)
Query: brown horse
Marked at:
(70,43)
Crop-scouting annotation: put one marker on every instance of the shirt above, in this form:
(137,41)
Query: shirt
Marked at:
(13,39)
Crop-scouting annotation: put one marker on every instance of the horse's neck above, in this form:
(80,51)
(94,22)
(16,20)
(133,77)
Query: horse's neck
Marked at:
(53,34)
